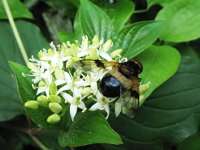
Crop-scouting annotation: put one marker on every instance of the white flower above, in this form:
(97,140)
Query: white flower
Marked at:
(75,101)
(55,57)
(47,80)
(102,103)
(103,51)
(69,82)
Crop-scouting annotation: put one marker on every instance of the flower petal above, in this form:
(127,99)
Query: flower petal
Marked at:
(68,77)
(107,109)
(67,97)
(83,53)
(73,111)
(59,82)
(118,108)
(76,92)
(64,88)
(94,87)
(81,105)
(106,56)
(40,90)
(94,107)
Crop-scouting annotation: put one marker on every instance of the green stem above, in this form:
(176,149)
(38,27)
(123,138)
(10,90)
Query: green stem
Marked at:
(15,32)
(72,148)
(42,146)
(141,11)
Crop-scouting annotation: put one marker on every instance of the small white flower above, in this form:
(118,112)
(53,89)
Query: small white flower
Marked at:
(47,80)
(75,102)
(102,103)
(103,51)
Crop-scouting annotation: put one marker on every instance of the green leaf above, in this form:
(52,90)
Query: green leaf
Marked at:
(170,115)
(10,105)
(18,10)
(64,36)
(161,2)
(89,128)
(135,38)
(119,12)
(77,27)
(26,93)
(182,17)
(159,64)
(190,143)
(94,21)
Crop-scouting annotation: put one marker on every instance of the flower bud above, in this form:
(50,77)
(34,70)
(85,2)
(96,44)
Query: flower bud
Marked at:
(107,45)
(86,91)
(124,110)
(54,99)
(41,84)
(43,100)
(31,65)
(50,50)
(93,54)
(32,104)
(74,50)
(116,53)
(71,61)
(141,99)
(53,88)
(95,41)
(59,74)
(41,54)
(52,119)
(144,87)
(55,107)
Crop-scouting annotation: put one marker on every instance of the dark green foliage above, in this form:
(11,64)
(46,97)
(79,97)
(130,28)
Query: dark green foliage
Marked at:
(169,118)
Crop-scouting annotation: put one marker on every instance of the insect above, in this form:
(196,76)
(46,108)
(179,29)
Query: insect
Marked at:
(121,79)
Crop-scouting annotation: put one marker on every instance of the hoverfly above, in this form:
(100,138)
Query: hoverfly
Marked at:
(121,79)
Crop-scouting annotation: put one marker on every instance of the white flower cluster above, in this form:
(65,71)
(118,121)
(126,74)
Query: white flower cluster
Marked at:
(58,82)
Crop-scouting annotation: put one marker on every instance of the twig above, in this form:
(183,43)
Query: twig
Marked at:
(15,32)
(37,141)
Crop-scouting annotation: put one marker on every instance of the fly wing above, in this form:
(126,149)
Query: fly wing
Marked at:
(94,64)
(135,93)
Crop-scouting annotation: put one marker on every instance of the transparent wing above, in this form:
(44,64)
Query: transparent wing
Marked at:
(93,64)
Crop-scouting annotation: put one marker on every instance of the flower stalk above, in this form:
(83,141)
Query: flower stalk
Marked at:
(15,31)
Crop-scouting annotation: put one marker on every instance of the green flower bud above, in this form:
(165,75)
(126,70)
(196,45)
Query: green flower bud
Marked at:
(86,91)
(71,61)
(74,50)
(54,99)
(124,110)
(93,53)
(116,53)
(52,119)
(55,107)
(41,84)
(53,88)
(32,104)
(31,65)
(141,99)
(59,74)
(40,54)
(95,41)
(144,87)
(43,100)
(50,51)
(107,45)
